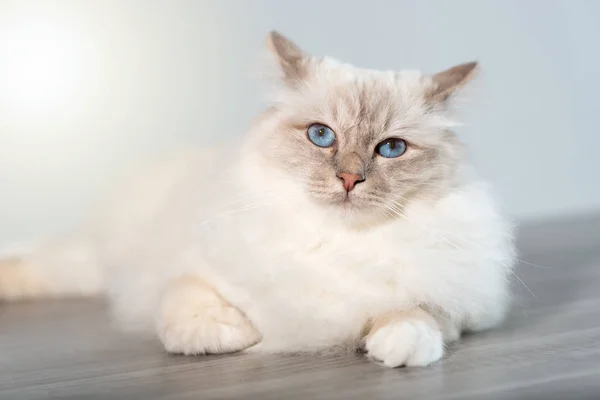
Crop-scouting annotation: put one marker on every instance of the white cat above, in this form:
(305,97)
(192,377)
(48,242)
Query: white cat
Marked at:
(346,218)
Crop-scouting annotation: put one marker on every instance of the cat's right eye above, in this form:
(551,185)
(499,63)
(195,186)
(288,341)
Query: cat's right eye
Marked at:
(391,148)
(321,135)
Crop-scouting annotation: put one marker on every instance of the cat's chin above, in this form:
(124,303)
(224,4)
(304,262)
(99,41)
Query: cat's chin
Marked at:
(352,207)
(347,201)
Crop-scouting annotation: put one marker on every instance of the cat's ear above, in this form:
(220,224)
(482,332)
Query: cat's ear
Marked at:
(447,82)
(291,58)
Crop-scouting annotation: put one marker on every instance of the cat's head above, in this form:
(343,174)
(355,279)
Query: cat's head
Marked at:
(361,141)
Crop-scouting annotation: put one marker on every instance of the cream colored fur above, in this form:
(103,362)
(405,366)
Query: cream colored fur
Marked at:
(247,246)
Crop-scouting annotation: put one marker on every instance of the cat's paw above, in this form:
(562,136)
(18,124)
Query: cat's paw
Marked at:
(195,320)
(409,341)
(219,331)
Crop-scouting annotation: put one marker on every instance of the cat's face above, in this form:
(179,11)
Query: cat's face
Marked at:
(364,142)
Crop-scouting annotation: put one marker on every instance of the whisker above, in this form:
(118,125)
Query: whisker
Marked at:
(480,246)
(534,265)
(445,239)
(523,283)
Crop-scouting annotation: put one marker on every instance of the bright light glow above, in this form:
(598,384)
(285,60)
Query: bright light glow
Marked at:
(38,65)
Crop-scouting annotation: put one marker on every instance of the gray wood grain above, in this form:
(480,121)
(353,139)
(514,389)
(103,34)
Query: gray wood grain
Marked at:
(548,348)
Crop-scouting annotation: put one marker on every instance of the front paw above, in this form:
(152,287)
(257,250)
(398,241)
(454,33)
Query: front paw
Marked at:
(406,339)
(194,319)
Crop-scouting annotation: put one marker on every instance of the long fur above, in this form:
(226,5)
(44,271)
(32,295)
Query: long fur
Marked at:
(261,222)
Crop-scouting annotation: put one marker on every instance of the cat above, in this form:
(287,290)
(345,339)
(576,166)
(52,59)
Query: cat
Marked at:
(348,218)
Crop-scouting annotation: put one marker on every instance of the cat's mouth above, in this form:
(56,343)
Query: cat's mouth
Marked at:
(349,200)
(344,200)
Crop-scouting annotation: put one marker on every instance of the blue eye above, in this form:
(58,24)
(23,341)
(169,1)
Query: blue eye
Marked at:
(391,148)
(321,135)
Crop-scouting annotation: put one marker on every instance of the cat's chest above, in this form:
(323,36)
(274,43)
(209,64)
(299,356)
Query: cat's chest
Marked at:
(314,272)
(279,257)
(339,261)
(328,277)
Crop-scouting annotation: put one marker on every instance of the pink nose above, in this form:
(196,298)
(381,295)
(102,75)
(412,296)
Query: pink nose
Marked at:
(350,180)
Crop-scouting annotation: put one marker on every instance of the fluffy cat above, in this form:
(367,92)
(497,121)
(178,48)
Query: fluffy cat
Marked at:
(345,219)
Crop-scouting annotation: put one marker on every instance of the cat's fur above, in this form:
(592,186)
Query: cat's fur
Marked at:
(256,245)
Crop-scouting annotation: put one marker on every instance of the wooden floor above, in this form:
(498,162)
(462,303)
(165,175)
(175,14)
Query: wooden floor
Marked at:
(549,348)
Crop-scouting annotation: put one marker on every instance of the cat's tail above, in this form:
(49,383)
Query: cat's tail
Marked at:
(64,268)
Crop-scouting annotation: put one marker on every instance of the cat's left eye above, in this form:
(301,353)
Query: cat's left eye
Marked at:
(321,135)
(391,148)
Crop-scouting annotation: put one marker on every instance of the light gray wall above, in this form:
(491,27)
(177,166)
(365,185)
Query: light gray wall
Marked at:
(160,74)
